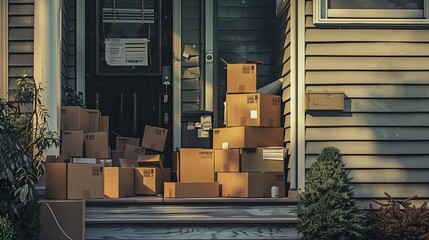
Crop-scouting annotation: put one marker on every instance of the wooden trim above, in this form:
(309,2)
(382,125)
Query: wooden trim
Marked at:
(4,76)
(177,72)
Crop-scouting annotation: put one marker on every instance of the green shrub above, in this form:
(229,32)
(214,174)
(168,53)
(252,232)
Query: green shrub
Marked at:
(7,231)
(329,211)
(399,220)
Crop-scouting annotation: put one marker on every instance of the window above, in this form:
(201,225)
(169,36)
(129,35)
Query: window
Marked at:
(399,12)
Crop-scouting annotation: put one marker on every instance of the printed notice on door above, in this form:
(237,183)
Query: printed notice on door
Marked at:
(126,51)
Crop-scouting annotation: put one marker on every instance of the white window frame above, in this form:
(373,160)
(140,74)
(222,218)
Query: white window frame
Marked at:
(355,17)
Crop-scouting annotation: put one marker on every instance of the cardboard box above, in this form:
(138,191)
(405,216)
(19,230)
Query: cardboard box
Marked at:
(104,125)
(227,160)
(94,120)
(116,155)
(247,137)
(74,118)
(241,78)
(62,219)
(148,181)
(191,190)
(196,165)
(247,185)
(253,109)
(259,160)
(96,145)
(133,152)
(154,138)
(122,141)
(118,182)
(72,143)
(128,162)
(74,181)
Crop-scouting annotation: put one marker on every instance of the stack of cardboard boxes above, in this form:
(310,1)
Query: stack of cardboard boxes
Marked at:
(249,157)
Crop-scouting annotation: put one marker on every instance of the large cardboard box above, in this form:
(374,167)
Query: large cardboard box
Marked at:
(248,185)
(262,160)
(74,181)
(191,190)
(104,125)
(196,165)
(74,118)
(72,143)
(62,219)
(253,109)
(154,138)
(241,78)
(96,145)
(94,120)
(148,181)
(122,141)
(133,152)
(227,160)
(247,137)
(118,182)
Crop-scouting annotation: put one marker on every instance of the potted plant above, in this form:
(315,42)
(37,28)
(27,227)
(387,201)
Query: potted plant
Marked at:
(25,139)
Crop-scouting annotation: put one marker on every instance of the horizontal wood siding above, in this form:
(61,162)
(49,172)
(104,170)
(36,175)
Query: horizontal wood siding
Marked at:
(245,32)
(383,132)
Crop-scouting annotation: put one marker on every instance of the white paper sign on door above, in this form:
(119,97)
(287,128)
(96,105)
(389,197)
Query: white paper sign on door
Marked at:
(126,51)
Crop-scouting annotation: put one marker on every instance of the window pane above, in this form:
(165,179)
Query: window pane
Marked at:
(375,4)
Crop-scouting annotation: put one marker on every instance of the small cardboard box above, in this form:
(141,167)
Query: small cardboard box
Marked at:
(248,185)
(62,219)
(227,160)
(252,109)
(72,143)
(94,120)
(118,182)
(196,165)
(104,125)
(133,152)
(148,181)
(191,190)
(241,78)
(74,181)
(96,145)
(122,141)
(262,160)
(154,138)
(116,155)
(247,137)
(74,118)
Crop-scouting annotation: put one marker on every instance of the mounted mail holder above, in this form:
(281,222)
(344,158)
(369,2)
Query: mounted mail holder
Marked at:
(316,101)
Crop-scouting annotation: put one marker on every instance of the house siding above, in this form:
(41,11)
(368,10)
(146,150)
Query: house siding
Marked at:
(383,131)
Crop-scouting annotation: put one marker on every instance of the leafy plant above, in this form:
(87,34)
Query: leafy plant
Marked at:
(7,231)
(330,210)
(71,98)
(25,139)
(399,219)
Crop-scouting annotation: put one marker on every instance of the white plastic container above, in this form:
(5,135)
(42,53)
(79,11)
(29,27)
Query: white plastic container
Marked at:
(275,192)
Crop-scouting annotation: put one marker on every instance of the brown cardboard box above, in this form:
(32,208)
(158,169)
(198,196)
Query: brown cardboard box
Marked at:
(115,155)
(247,137)
(227,160)
(191,190)
(148,181)
(94,120)
(104,125)
(128,162)
(245,184)
(74,118)
(96,145)
(241,78)
(118,182)
(154,138)
(72,143)
(196,165)
(253,109)
(133,152)
(62,219)
(252,160)
(122,141)
(74,181)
